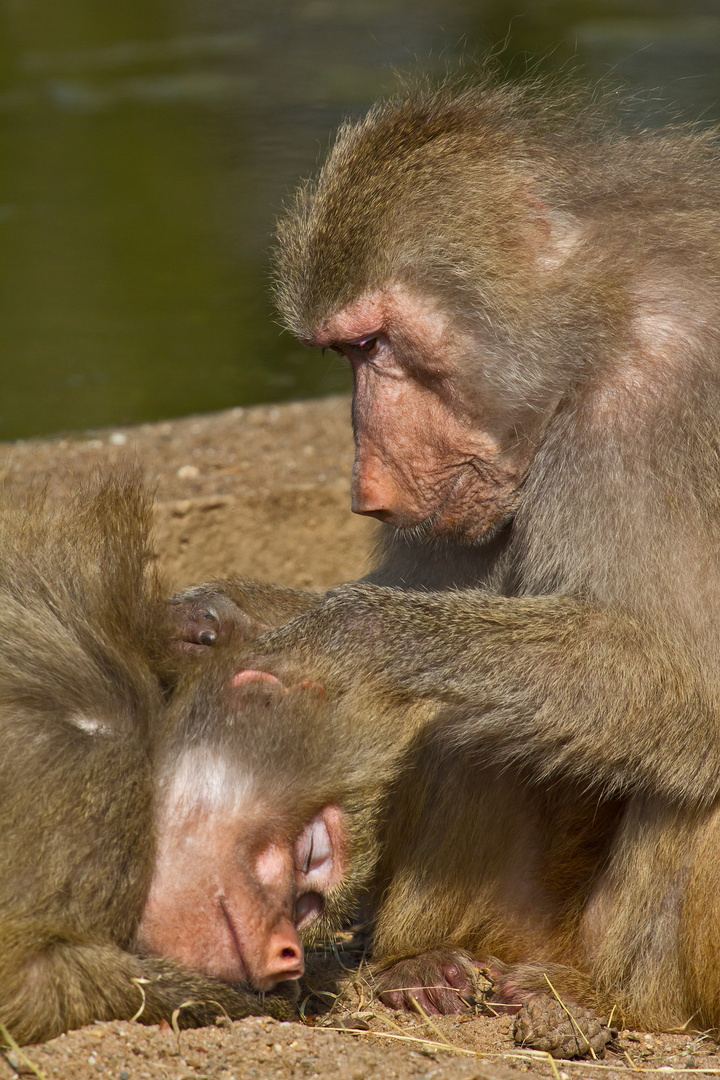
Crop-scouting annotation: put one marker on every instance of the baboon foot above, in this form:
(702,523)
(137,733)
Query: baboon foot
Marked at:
(438,983)
(569,1031)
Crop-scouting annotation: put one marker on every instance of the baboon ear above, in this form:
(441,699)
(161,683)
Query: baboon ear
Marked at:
(249,676)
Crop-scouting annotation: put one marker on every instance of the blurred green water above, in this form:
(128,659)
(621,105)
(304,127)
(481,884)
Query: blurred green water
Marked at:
(147,145)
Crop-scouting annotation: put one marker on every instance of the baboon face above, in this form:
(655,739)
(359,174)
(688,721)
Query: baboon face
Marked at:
(425,456)
(239,873)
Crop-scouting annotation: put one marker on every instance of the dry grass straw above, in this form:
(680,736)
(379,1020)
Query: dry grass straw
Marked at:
(578,1029)
(532,1055)
(19,1054)
(441,1043)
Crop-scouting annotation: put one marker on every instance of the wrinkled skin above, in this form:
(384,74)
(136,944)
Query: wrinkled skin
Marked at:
(421,459)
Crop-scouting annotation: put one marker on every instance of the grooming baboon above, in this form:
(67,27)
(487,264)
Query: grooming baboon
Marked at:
(82,622)
(529,301)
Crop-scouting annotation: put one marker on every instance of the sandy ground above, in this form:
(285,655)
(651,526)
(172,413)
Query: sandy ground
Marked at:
(260,492)
(264,492)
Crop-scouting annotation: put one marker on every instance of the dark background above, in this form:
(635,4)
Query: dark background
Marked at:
(147,145)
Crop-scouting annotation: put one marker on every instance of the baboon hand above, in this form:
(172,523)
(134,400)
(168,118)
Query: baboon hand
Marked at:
(439,983)
(204,617)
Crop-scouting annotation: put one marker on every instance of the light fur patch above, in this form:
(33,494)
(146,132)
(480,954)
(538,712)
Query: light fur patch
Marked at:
(566,236)
(90,724)
(203,781)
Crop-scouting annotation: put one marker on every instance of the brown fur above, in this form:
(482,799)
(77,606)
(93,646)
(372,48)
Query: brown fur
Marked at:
(528,297)
(81,617)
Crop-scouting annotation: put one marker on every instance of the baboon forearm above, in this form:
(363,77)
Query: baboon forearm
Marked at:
(271,604)
(202,999)
(548,681)
(68,986)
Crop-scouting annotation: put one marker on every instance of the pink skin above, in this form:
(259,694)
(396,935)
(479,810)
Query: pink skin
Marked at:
(230,891)
(419,457)
(440,984)
(230,888)
(250,677)
(440,987)
(253,677)
(212,911)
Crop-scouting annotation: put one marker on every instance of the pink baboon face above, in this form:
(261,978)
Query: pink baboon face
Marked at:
(231,888)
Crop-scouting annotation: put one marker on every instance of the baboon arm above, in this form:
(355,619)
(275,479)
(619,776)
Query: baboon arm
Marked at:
(550,682)
(65,986)
(230,611)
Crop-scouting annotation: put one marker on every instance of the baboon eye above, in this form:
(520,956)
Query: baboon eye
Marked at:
(352,348)
(309,857)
